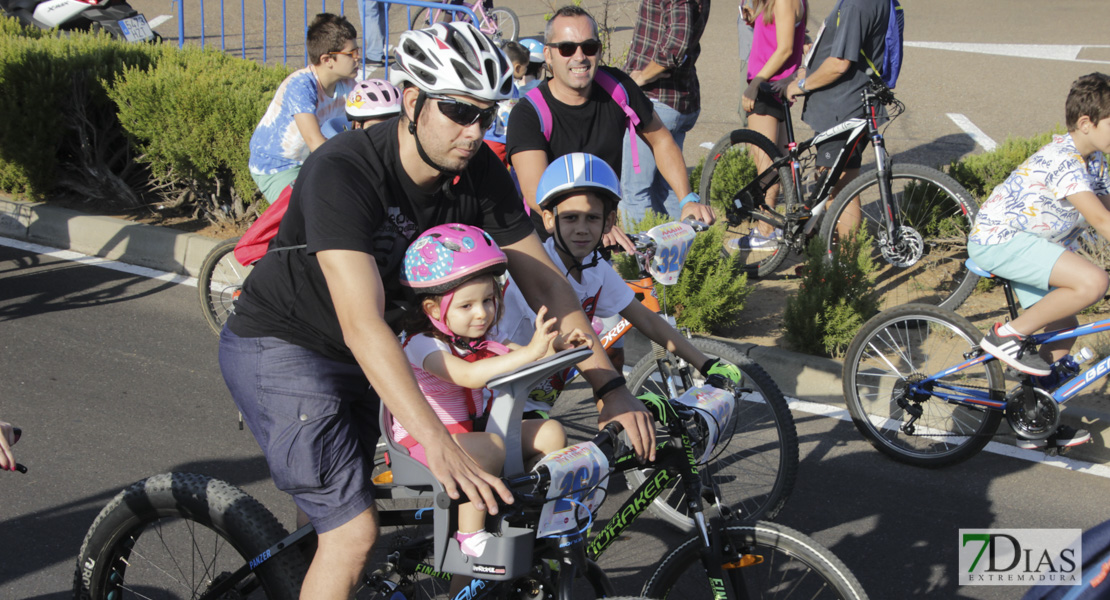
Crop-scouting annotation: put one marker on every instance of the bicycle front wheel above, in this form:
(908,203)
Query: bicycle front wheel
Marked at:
(175,535)
(730,184)
(504,24)
(219,282)
(909,343)
(767,561)
(753,474)
(920,256)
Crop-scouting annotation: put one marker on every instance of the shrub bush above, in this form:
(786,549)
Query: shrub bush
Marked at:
(193,116)
(835,298)
(734,170)
(58,129)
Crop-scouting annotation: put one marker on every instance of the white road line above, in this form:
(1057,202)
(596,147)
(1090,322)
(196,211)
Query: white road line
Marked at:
(100,262)
(976,134)
(1004,449)
(156,21)
(1065,52)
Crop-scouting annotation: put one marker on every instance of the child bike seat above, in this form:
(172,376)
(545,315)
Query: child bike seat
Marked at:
(980,271)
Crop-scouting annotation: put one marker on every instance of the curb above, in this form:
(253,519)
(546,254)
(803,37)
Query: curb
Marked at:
(106,237)
(802,376)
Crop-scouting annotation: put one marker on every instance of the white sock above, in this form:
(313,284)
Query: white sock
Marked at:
(1007,330)
(473,544)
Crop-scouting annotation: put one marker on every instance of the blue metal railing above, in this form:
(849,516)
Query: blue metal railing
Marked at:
(183,30)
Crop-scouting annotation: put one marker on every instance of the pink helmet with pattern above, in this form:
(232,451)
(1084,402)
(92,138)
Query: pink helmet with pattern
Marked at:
(373,98)
(446,256)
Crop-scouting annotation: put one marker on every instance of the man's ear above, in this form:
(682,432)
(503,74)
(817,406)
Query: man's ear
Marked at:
(408,101)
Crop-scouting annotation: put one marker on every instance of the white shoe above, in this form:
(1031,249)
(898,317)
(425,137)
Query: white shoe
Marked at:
(757,241)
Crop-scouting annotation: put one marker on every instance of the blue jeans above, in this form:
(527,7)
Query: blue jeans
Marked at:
(374,17)
(648,189)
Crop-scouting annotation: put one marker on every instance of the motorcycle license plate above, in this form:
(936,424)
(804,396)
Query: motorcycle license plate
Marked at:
(136,29)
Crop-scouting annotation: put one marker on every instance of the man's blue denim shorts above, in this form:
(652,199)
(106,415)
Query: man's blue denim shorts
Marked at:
(315,419)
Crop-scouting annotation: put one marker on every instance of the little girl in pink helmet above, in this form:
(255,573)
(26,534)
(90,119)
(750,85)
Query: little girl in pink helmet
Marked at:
(453,269)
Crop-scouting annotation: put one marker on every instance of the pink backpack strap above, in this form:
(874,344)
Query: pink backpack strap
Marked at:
(542,110)
(611,85)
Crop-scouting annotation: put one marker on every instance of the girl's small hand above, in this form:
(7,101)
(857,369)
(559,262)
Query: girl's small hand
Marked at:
(543,339)
(750,94)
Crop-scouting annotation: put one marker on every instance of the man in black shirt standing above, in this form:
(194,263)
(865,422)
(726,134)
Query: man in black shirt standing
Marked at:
(311,349)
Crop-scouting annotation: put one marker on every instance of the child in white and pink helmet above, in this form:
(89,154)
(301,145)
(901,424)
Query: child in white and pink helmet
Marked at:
(453,269)
(371,101)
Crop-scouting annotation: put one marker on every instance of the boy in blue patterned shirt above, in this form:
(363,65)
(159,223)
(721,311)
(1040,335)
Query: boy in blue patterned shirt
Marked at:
(1029,227)
(290,129)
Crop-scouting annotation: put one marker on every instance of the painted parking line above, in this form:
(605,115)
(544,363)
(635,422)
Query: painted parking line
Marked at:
(156,21)
(970,129)
(1066,52)
(1004,449)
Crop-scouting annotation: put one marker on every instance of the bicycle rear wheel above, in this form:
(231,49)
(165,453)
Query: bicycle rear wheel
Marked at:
(176,534)
(506,24)
(219,282)
(924,262)
(754,472)
(907,343)
(774,562)
(729,183)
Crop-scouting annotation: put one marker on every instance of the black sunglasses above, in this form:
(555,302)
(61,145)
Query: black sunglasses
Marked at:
(567,49)
(465,114)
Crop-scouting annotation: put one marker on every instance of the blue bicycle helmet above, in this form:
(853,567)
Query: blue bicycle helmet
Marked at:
(534,48)
(576,172)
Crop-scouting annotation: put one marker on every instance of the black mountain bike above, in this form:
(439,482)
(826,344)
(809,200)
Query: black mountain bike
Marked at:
(917,217)
(195,537)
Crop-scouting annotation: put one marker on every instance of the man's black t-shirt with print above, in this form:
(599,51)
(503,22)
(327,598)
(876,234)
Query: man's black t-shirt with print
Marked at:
(353,194)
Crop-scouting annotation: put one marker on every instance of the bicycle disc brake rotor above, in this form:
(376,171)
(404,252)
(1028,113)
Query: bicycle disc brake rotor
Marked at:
(1036,424)
(908,247)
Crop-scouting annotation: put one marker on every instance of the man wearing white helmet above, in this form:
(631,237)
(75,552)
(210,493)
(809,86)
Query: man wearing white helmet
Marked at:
(313,328)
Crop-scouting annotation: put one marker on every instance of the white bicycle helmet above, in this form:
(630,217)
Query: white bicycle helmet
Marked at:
(373,98)
(453,58)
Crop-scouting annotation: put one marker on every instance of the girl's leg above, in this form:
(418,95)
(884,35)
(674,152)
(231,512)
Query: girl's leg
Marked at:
(769,126)
(540,437)
(488,450)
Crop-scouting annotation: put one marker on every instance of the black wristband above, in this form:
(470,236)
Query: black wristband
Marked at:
(708,365)
(613,384)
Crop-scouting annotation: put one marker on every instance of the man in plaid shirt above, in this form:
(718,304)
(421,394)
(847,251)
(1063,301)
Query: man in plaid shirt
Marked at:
(665,47)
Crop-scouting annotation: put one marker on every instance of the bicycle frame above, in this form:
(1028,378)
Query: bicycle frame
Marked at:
(476,13)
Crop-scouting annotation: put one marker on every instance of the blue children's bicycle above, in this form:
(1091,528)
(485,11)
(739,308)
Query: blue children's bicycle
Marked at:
(922,391)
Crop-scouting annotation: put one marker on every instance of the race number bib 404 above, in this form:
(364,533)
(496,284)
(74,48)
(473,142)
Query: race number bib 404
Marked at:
(579,475)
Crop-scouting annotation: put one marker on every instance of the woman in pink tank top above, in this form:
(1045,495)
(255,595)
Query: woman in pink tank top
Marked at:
(776,54)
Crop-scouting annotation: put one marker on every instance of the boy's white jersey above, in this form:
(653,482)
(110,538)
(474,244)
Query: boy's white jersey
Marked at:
(1033,198)
(601,293)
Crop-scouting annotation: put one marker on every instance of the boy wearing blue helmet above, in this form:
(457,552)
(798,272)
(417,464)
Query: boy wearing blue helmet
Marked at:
(578,194)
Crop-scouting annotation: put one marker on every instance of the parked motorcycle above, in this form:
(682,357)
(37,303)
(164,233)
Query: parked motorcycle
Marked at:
(114,16)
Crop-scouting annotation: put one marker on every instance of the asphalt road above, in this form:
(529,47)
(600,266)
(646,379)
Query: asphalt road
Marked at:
(113,377)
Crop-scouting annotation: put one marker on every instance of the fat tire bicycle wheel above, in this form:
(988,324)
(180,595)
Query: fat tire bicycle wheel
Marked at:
(176,534)
(219,282)
(927,262)
(506,22)
(723,187)
(792,566)
(910,342)
(755,471)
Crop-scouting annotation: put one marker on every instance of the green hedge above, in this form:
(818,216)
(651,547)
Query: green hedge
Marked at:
(192,117)
(54,107)
(980,173)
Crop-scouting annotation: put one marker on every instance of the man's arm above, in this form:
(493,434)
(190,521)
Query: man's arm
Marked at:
(359,298)
(828,72)
(669,161)
(529,166)
(542,283)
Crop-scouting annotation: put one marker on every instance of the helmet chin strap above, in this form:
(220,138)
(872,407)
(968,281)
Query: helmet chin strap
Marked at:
(420,101)
(561,244)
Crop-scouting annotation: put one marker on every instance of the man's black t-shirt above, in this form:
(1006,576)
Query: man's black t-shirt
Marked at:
(596,127)
(353,194)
